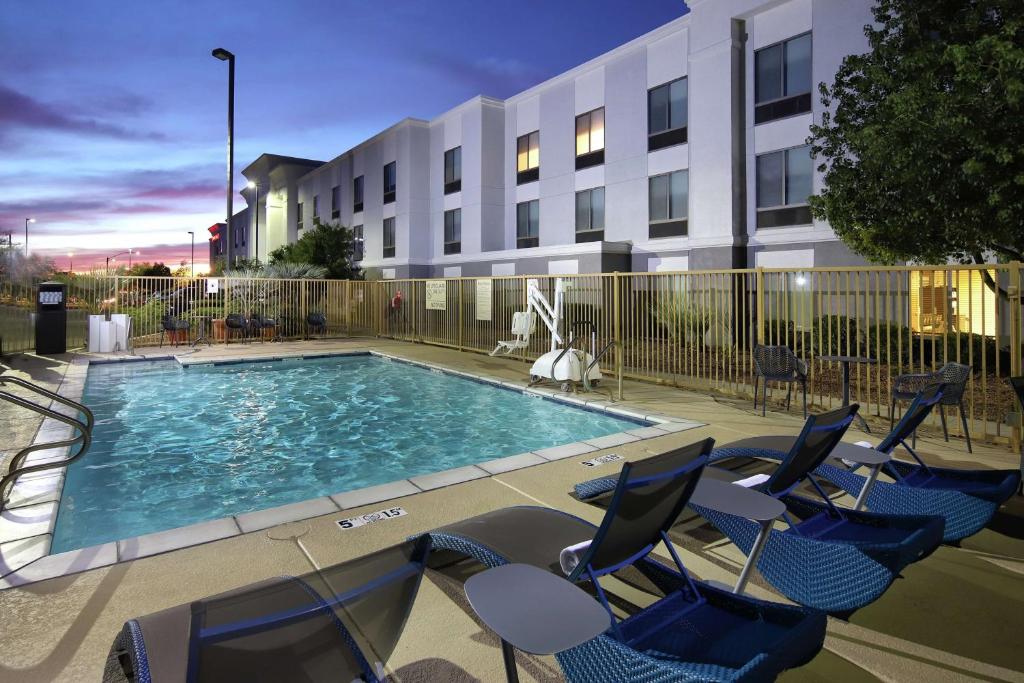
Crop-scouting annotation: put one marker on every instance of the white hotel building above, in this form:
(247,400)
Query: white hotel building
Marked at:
(682,149)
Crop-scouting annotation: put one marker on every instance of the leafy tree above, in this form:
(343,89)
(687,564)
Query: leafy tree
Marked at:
(923,153)
(150,269)
(16,267)
(325,245)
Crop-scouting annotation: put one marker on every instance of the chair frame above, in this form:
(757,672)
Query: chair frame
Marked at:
(795,372)
(906,387)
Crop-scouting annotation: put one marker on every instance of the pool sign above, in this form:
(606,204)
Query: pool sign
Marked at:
(611,457)
(483,299)
(370,518)
(437,295)
(212,285)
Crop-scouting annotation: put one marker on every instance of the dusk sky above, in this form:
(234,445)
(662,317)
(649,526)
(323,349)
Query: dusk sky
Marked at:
(113,115)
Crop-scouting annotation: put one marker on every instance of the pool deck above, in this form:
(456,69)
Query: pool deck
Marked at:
(955,616)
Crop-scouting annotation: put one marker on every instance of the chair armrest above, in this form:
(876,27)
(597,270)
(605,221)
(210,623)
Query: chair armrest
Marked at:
(733,499)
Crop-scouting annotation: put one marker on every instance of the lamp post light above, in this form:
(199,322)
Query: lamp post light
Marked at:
(27,221)
(114,258)
(225,56)
(192,259)
(71,263)
(256,212)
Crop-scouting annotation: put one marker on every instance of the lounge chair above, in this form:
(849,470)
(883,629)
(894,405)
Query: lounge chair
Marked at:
(523,325)
(953,375)
(778,364)
(695,632)
(337,624)
(967,499)
(833,559)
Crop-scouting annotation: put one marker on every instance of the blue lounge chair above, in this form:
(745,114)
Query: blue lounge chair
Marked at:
(966,499)
(337,624)
(695,632)
(833,559)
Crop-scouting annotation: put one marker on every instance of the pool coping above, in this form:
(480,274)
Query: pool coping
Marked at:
(26,527)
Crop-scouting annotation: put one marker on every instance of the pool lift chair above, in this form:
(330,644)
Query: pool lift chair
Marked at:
(564,363)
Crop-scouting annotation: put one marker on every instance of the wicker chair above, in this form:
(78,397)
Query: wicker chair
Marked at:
(316,323)
(235,324)
(258,323)
(778,364)
(953,375)
(172,326)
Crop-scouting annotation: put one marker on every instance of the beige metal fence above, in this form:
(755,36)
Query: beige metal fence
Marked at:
(693,329)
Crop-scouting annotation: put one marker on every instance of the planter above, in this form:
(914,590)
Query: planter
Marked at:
(219,329)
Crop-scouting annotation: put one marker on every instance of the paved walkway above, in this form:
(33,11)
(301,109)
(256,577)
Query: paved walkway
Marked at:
(956,616)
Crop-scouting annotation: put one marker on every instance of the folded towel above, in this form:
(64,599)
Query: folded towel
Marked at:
(570,557)
(755,480)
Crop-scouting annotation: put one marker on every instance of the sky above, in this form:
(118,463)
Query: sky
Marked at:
(113,114)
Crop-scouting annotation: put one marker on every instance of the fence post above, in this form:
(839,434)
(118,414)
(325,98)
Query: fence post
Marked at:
(759,313)
(617,312)
(458,284)
(1015,299)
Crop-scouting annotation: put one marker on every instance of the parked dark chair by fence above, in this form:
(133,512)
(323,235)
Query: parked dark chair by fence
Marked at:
(316,323)
(778,364)
(235,324)
(953,375)
(173,326)
(259,323)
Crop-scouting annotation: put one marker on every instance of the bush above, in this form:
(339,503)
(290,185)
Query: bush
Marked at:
(835,335)
(683,322)
(889,343)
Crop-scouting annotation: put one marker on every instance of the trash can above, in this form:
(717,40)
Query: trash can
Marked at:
(51,318)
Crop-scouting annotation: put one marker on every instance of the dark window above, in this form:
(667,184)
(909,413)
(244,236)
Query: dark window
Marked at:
(357,243)
(357,194)
(453,170)
(390,180)
(590,215)
(527,224)
(784,182)
(389,237)
(298,216)
(453,231)
(667,114)
(528,158)
(590,139)
(316,206)
(335,201)
(668,199)
(782,79)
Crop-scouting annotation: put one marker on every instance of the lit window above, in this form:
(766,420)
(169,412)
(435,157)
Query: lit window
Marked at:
(453,231)
(389,237)
(528,157)
(590,215)
(782,79)
(453,170)
(527,224)
(668,200)
(590,132)
(784,182)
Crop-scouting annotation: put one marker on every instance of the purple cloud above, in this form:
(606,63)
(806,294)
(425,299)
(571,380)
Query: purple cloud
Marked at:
(21,111)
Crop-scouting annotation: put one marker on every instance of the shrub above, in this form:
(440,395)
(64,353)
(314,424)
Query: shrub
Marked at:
(835,335)
(889,343)
(682,321)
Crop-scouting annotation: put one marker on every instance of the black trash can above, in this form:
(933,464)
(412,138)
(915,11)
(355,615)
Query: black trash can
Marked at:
(51,318)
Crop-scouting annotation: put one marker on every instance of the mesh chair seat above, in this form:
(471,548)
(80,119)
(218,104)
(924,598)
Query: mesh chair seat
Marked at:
(778,364)
(952,377)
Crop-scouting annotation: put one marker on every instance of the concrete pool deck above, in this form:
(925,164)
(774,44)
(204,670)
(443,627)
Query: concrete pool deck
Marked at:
(954,616)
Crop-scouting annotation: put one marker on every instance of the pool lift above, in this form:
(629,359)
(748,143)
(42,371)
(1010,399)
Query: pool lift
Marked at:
(564,363)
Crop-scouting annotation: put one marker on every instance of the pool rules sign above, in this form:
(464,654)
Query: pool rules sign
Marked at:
(437,295)
(483,299)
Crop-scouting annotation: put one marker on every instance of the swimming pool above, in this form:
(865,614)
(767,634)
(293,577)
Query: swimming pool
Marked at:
(175,445)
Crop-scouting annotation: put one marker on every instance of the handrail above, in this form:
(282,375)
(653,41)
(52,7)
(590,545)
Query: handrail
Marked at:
(90,419)
(46,412)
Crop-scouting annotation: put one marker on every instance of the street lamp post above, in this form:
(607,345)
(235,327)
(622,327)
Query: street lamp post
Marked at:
(114,258)
(192,260)
(71,263)
(256,212)
(225,56)
(27,221)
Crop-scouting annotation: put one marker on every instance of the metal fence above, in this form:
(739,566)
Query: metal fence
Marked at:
(694,329)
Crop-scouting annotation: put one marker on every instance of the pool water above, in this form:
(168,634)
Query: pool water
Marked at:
(178,445)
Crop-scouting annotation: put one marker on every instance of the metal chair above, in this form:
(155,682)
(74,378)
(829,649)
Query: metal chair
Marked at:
(171,326)
(237,324)
(953,375)
(778,364)
(316,322)
(258,323)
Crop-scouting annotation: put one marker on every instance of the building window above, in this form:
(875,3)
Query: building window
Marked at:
(335,201)
(453,231)
(668,198)
(316,206)
(784,182)
(590,139)
(357,243)
(298,216)
(389,237)
(782,79)
(357,194)
(389,182)
(590,215)
(453,170)
(527,224)
(528,158)
(667,114)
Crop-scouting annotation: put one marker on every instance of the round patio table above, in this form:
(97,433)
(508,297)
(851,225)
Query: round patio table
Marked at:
(203,323)
(846,361)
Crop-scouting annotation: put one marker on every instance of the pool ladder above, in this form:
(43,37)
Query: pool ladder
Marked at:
(83,440)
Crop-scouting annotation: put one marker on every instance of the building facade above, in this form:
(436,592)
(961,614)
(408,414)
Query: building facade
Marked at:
(685,148)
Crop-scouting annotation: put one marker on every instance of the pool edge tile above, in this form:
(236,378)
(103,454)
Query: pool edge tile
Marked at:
(62,564)
(456,475)
(511,463)
(174,539)
(282,514)
(14,555)
(375,494)
(567,450)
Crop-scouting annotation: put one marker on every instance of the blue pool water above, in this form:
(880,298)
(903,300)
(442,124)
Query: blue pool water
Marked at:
(174,446)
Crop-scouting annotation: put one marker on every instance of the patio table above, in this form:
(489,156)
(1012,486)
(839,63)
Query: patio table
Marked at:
(203,324)
(534,610)
(846,361)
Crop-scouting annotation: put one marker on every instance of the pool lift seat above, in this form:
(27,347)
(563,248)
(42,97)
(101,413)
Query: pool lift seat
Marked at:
(566,364)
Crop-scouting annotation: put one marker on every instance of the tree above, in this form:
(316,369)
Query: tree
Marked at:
(923,154)
(16,267)
(325,245)
(150,269)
